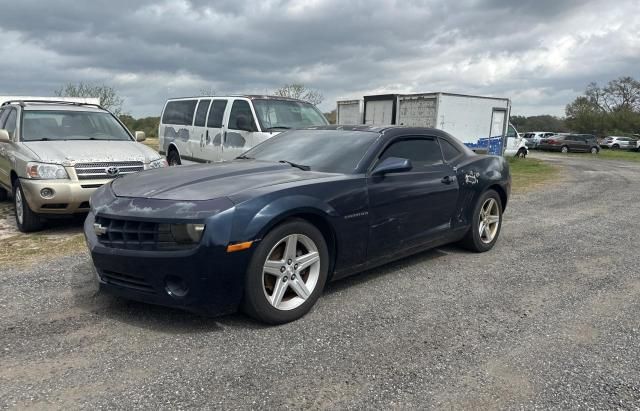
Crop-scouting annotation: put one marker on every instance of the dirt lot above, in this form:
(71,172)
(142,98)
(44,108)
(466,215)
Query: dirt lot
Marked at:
(549,318)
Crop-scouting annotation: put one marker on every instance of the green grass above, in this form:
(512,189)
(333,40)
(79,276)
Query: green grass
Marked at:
(529,173)
(152,142)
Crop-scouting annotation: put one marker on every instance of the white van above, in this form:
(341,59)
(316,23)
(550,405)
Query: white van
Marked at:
(207,129)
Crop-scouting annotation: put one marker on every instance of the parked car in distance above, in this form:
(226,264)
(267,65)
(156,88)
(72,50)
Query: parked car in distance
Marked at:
(533,138)
(266,231)
(54,154)
(621,143)
(210,129)
(565,143)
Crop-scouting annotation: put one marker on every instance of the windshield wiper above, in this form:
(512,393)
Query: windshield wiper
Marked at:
(277,127)
(243,157)
(292,164)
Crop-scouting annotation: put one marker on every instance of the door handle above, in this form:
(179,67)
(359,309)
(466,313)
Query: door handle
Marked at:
(447,179)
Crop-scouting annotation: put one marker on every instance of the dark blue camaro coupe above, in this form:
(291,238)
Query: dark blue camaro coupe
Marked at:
(266,231)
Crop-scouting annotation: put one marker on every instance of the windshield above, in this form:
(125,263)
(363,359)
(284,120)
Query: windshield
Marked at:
(331,151)
(71,125)
(287,114)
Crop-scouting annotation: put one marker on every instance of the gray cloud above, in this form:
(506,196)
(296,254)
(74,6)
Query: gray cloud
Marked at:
(539,53)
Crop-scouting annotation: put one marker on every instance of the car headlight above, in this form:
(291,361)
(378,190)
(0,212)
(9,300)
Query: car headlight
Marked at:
(186,233)
(43,171)
(159,163)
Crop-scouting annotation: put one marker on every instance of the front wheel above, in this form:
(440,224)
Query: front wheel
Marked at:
(594,150)
(173,158)
(287,273)
(486,223)
(26,220)
(565,149)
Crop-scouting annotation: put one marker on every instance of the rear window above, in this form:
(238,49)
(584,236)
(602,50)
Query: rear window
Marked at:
(179,112)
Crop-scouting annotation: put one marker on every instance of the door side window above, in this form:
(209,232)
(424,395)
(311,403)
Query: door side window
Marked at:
(241,117)
(216,113)
(10,124)
(179,112)
(422,152)
(201,113)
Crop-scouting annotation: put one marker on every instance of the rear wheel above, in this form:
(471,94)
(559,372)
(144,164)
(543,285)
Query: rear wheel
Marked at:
(173,158)
(594,150)
(564,149)
(486,223)
(287,273)
(26,219)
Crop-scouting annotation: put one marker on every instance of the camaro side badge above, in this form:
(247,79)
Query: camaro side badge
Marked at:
(362,214)
(99,229)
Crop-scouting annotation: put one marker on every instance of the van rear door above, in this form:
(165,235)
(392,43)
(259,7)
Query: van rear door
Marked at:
(176,125)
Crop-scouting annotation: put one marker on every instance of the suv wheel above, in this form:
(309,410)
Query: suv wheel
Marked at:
(564,149)
(26,219)
(594,150)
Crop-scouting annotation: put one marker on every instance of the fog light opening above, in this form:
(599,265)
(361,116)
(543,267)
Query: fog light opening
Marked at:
(47,193)
(175,287)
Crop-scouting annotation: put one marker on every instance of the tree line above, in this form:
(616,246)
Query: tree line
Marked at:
(613,109)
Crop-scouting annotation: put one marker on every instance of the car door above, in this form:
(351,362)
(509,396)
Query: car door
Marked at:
(241,132)
(198,132)
(413,207)
(211,147)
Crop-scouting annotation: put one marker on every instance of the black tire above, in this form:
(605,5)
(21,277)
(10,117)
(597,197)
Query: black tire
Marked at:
(4,196)
(173,158)
(594,150)
(30,221)
(564,149)
(255,303)
(472,240)
(522,153)
(615,147)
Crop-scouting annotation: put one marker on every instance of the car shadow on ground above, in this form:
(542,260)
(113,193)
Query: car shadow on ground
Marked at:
(176,321)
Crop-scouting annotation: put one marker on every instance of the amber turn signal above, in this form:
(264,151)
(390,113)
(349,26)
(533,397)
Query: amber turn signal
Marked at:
(232,248)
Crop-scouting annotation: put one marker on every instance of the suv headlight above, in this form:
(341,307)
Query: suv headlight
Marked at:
(43,171)
(159,163)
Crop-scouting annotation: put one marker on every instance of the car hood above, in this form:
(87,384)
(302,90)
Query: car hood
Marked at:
(90,151)
(209,181)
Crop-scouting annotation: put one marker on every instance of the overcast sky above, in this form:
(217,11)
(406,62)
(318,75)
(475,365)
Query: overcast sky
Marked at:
(541,54)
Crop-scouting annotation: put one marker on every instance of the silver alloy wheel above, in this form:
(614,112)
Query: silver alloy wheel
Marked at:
(19,206)
(291,272)
(594,150)
(565,149)
(489,220)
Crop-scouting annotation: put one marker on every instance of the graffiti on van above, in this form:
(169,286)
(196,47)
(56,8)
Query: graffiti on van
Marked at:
(170,135)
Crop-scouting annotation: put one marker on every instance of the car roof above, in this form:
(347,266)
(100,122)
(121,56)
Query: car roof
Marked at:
(34,105)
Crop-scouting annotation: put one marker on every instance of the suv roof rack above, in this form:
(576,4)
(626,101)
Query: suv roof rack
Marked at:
(70,103)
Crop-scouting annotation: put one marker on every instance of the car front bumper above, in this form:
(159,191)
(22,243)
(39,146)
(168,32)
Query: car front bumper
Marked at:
(204,279)
(68,196)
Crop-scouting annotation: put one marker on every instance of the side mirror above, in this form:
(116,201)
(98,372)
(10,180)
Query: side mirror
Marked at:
(4,136)
(140,136)
(243,123)
(392,165)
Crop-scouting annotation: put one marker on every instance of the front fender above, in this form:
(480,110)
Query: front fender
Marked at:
(261,217)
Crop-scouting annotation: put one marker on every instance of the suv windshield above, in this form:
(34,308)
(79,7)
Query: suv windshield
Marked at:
(285,114)
(332,151)
(39,125)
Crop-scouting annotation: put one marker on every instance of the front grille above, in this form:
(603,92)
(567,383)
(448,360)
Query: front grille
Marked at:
(127,281)
(137,235)
(94,171)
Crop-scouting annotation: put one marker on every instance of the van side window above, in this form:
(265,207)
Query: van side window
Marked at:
(216,113)
(201,113)
(511,132)
(179,112)
(240,110)
(10,124)
(3,116)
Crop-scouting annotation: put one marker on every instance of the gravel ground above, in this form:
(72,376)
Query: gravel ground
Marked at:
(548,319)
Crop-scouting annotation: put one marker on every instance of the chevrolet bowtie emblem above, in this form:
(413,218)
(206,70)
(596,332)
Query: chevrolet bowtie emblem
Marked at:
(99,229)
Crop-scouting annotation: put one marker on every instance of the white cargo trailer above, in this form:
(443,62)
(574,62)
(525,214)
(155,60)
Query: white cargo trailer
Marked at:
(482,123)
(349,112)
